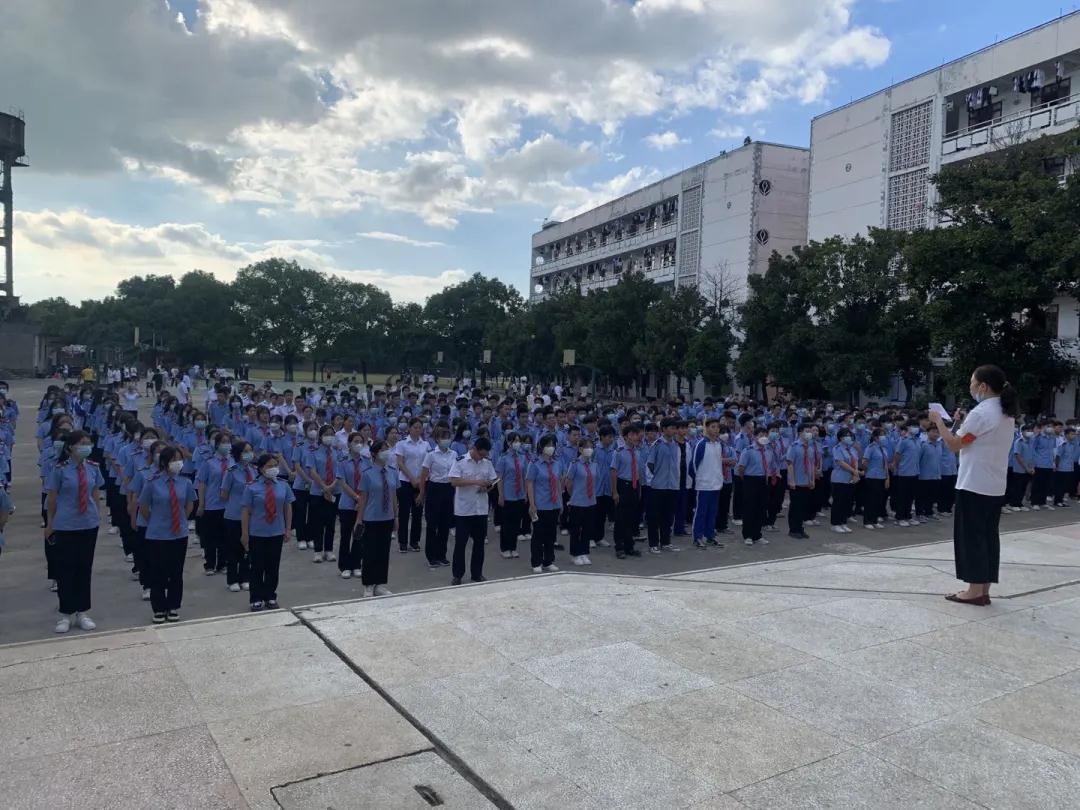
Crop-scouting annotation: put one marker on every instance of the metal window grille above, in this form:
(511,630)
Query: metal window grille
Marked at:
(909,141)
(907,200)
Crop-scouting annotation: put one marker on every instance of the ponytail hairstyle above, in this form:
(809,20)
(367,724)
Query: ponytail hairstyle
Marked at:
(994,379)
(71,439)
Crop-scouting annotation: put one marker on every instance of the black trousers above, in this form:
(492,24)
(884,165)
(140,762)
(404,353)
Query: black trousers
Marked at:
(439,507)
(265,553)
(777,488)
(976,541)
(348,557)
(466,528)
(723,506)
(376,544)
(542,544)
(1063,485)
(582,525)
(873,500)
(843,498)
(605,511)
(1015,488)
(798,509)
(661,515)
(73,564)
(326,521)
(736,498)
(754,493)
(626,516)
(946,495)
(237,567)
(215,547)
(167,573)
(142,562)
(820,495)
(510,527)
(1041,486)
(904,495)
(926,492)
(409,516)
(300,514)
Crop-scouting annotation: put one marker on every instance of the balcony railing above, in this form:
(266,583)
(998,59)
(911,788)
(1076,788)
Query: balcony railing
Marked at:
(1062,112)
(612,247)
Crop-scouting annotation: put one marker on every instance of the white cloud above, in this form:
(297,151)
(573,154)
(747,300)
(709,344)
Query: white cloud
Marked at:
(728,132)
(416,107)
(79,256)
(384,236)
(662,141)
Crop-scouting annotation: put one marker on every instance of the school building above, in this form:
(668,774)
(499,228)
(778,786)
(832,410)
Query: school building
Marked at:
(716,222)
(868,165)
(870,160)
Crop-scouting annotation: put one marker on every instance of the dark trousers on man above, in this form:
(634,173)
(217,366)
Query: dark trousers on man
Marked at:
(926,491)
(237,568)
(873,500)
(843,496)
(439,506)
(510,527)
(73,565)
(582,521)
(1042,486)
(215,556)
(798,508)
(542,545)
(167,573)
(376,544)
(265,553)
(409,515)
(605,511)
(474,528)
(626,515)
(723,506)
(946,494)
(661,515)
(904,495)
(300,515)
(1063,485)
(754,493)
(348,556)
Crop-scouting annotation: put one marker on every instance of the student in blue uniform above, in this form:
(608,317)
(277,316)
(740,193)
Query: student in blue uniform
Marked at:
(265,523)
(210,514)
(138,481)
(929,484)
(71,526)
(580,481)
(664,466)
(605,507)
(349,472)
(1044,445)
(545,503)
(377,507)
(166,501)
(511,468)
(753,470)
(844,476)
(707,475)
(875,464)
(1065,456)
(322,504)
(906,468)
(238,477)
(946,496)
(1021,469)
(628,481)
(801,462)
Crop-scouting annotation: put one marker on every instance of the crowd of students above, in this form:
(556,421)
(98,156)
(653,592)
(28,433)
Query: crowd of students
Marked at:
(353,468)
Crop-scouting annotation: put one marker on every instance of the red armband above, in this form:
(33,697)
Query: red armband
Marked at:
(968,438)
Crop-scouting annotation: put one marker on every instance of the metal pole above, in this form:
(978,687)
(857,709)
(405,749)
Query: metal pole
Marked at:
(9,267)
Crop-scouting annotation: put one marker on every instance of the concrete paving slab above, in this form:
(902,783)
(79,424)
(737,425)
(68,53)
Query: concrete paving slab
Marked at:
(726,604)
(171,770)
(986,764)
(1048,713)
(895,615)
(588,676)
(39,722)
(299,742)
(853,780)
(726,738)
(1057,625)
(536,631)
(390,785)
(844,703)
(76,667)
(722,653)
(815,632)
(632,615)
(74,644)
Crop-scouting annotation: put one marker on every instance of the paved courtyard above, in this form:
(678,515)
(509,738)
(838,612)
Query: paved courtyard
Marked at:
(828,681)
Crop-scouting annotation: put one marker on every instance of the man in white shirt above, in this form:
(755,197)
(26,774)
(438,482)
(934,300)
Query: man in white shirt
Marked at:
(183,390)
(410,453)
(438,497)
(706,469)
(472,477)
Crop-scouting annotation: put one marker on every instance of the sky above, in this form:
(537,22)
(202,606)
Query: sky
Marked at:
(409,143)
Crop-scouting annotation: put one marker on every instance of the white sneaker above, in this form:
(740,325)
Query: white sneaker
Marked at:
(548,569)
(52,585)
(654,550)
(592,544)
(112,530)
(748,542)
(146,594)
(587,560)
(346,574)
(191,525)
(514,554)
(129,558)
(1035,508)
(356,572)
(300,544)
(506,555)
(85,622)
(564,532)
(837,529)
(369,591)
(869,527)
(903,524)
(245,586)
(670,547)
(382,590)
(737,522)
(317,558)
(1025,509)
(538,570)
(604,544)
(811,522)
(235,587)
(579,560)
(526,537)
(846,529)
(329,556)
(1050,508)
(63,625)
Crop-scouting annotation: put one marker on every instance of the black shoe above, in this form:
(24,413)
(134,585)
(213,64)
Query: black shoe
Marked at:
(271,604)
(172,616)
(560,547)
(633,553)
(403,549)
(796,535)
(479,579)
(620,555)
(444,562)
(455,581)
(159,618)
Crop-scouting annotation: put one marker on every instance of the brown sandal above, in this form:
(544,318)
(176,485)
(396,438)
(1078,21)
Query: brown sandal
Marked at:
(979,601)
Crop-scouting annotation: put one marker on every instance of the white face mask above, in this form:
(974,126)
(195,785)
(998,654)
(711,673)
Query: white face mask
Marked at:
(313,434)
(384,456)
(327,440)
(271,472)
(549,451)
(148,443)
(515,446)
(466,434)
(587,453)
(763,440)
(292,428)
(175,467)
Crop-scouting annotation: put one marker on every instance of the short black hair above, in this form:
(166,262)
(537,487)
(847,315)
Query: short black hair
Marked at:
(482,443)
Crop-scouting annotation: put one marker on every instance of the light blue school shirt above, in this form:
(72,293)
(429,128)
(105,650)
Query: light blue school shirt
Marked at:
(349,470)
(665,464)
(623,464)
(1044,448)
(213,474)
(877,458)
(578,476)
(1065,458)
(64,481)
(379,484)
(930,460)
(513,488)
(803,461)
(317,459)
(239,477)
(138,481)
(545,475)
(1024,448)
(254,500)
(754,461)
(156,494)
(848,455)
(603,458)
(908,451)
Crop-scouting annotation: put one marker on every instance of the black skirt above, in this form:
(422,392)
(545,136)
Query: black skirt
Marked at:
(976,541)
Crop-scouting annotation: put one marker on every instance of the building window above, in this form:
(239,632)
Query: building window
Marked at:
(691,209)
(1053,93)
(984,115)
(909,138)
(907,201)
(1052,320)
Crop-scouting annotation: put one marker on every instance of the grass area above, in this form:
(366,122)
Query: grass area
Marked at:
(303,377)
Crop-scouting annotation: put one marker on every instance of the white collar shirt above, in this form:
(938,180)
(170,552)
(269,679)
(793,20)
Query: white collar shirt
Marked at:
(471,501)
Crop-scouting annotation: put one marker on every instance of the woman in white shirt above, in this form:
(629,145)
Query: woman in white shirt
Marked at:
(983,440)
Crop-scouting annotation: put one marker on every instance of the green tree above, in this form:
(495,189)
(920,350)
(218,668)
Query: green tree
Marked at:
(464,314)
(670,325)
(204,327)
